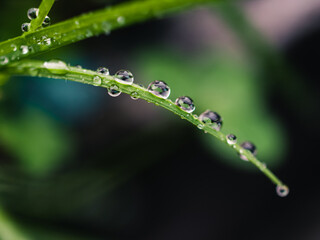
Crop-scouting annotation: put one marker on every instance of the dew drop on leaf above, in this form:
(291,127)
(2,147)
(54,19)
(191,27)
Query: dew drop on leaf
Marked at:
(103,70)
(96,81)
(211,119)
(250,147)
(160,89)
(134,96)
(25,27)
(186,104)
(124,77)
(114,91)
(4,60)
(282,190)
(33,13)
(231,139)
(56,66)
(46,21)
(24,49)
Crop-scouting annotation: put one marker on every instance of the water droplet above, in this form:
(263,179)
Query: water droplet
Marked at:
(200,126)
(24,49)
(77,24)
(282,190)
(114,91)
(46,21)
(124,77)
(212,119)
(3,60)
(96,81)
(14,47)
(250,147)
(25,27)
(103,70)
(56,66)
(78,66)
(231,139)
(33,13)
(186,104)
(160,89)
(45,40)
(121,20)
(106,27)
(134,96)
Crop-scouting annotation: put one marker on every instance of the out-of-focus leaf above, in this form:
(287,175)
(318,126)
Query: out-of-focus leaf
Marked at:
(37,142)
(227,86)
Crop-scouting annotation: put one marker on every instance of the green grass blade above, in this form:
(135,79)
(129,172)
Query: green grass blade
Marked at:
(62,71)
(87,25)
(44,9)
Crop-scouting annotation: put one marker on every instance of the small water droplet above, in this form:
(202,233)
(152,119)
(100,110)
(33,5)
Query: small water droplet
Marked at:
(103,70)
(24,49)
(4,60)
(160,89)
(56,66)
(96,81)
(33,13)
(200,126)
(46,21)
(186,104)
(77,23)
(231,139)
(282,190)
(46,41)
(134,96)
(25,27)
(124,77)
(121,20)
(78,66)
(106,27)
(114,91)
(14,47)
(250,147)
(211,119)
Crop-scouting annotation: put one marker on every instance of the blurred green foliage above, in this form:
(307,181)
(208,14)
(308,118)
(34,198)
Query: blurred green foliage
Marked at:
(37,141)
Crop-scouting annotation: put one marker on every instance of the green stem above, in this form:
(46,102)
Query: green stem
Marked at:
(87,25)
(44,9)
(62,71)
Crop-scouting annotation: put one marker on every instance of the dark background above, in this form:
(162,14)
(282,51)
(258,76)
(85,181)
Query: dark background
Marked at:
(78,164)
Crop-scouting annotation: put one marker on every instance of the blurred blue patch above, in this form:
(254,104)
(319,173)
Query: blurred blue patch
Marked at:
(65,100)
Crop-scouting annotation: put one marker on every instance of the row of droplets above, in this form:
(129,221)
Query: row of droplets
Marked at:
(208,118)
(33,14)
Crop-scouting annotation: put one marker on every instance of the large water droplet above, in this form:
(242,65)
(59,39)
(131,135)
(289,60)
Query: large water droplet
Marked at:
(103,70)
(160,89)
(96,81)
(25,27)
(56,66)
(282,190)
(212,119)
(46,21)
(250,147)
(33,13)
(124,77)
(231,139)
(114,91)
(186,104)
(4,60)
